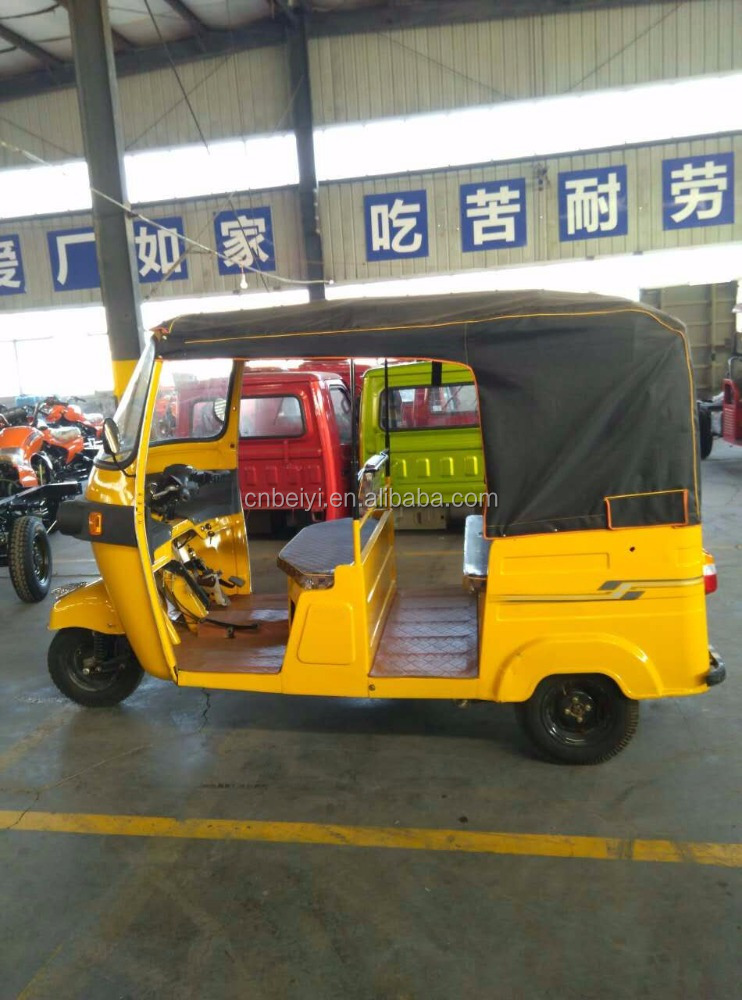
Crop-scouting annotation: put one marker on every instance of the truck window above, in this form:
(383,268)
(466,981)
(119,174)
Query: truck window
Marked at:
(425,407)
(271,417)
(341,406)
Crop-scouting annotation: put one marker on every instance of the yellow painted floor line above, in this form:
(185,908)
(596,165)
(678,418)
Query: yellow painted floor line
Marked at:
(399,838)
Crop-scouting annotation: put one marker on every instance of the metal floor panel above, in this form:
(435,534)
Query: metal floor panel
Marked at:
(429,634)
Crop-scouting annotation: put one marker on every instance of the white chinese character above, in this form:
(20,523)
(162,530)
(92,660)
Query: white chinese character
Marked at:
(698,190)
(494,212)
(157,251)
(243,241)
(402,219)
(68,240)
(592,206)
(9,265)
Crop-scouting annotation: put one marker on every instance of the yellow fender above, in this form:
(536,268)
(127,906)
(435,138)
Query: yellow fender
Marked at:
(591,653)
(86,607)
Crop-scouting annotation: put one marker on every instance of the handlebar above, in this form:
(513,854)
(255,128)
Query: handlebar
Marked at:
(178,484)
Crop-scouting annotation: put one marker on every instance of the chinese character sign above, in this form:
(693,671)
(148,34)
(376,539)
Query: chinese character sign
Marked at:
(12,279)
(73,260)
(493,215)
(244,239)
(396,225)
(592,203)
(698,191)
(75,265)
(160,251)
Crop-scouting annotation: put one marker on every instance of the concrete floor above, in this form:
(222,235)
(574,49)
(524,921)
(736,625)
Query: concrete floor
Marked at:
(129,917)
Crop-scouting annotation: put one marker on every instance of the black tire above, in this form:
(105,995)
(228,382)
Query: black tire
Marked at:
(71,653)
(604,724)
(705,433)
(30,559)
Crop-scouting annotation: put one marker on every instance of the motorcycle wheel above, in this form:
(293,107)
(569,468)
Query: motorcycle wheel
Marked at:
(71,662)
(30,559)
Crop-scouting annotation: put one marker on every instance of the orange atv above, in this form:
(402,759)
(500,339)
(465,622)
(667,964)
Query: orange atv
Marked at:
(23,462)
(65,413)
(33,454)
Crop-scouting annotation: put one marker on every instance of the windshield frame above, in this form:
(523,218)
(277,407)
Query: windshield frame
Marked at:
(134,399)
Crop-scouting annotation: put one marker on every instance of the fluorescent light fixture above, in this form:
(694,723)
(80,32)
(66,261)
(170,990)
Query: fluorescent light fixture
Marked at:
(515,130)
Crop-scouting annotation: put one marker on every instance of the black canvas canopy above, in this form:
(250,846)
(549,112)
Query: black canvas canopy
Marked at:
(587,402)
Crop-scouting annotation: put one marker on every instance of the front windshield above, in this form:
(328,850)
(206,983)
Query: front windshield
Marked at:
(191,401)
(130,410)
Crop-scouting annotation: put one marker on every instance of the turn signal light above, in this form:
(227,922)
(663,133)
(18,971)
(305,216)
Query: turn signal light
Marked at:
(95,523)
(710,579)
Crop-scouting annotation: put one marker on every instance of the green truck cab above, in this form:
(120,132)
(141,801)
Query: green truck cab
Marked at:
(434,436)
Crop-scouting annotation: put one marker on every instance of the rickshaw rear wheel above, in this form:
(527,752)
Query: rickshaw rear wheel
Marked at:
(578,718)
(74,665)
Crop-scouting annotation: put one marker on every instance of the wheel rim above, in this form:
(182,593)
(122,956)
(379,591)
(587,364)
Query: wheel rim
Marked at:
(577,713)
(40,558)
(82,660)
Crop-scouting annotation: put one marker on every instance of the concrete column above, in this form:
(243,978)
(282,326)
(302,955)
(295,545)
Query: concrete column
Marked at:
(97,95)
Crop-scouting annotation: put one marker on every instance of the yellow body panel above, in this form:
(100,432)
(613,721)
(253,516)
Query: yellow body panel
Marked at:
(90,605)
(627,603)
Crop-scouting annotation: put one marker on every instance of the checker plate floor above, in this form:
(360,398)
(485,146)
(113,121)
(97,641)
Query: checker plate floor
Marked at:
(429,633)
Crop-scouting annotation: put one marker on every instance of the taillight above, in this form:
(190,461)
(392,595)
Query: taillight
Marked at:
(710,579)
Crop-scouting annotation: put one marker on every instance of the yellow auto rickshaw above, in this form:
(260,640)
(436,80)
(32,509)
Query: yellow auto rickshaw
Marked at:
(583,581)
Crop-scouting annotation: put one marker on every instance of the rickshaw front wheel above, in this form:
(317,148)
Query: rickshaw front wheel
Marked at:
(578,718)
(91,669)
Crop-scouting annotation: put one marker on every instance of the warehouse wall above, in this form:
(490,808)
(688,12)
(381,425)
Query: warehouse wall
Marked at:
(707,313)
(342,218)
(430,69)
(357,77)
(346,236)
(245,93)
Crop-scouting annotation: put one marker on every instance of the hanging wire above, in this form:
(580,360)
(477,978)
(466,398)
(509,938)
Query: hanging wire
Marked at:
(134,214)
(202,136)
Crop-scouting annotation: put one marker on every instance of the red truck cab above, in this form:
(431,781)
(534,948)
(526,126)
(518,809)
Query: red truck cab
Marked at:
(295,443)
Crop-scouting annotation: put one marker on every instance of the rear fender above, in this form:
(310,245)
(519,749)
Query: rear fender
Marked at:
(625,663)
(86,607)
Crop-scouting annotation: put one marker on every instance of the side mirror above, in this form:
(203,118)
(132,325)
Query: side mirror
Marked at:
(220,409)
(111,442)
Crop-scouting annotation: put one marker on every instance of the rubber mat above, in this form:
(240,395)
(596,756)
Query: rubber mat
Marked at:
(258,652)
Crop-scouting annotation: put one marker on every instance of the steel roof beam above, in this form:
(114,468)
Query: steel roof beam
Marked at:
(30,48)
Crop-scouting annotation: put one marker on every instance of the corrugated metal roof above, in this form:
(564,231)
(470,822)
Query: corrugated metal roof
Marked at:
(35,35)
